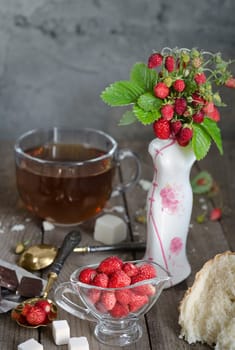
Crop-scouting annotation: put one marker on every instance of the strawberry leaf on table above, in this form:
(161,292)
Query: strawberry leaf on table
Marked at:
(201,141)
(122,93)
(202,182)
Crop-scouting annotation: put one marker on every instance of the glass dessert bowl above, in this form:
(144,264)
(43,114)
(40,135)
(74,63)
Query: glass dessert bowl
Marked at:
(130,292)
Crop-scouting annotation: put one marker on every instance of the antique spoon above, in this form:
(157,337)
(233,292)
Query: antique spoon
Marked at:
(40,256)
(72,239)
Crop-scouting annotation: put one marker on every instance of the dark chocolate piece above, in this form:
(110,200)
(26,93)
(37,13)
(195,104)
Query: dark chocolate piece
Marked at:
(30,287)
(8,278)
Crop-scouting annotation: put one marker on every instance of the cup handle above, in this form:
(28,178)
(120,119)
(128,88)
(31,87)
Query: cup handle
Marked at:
(68,305)
(123,154)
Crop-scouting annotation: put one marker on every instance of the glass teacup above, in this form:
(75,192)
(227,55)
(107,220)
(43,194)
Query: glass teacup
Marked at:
(66,176)
(117,324)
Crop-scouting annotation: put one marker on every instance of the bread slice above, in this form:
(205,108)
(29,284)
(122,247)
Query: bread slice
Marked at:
(226,338)
(209,305)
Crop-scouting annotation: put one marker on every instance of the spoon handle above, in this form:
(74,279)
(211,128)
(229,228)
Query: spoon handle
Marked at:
(137,246)
(72,239)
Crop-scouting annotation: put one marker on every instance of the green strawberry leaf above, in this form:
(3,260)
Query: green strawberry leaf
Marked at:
(143,76)
(146,117)
(148,102)
(212,129)
(201,141)
(127,118)
(122,93)
(202,182)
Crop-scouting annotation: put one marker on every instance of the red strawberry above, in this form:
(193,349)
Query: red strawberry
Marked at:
(87,275)
(108,300)
(197,99)
(110,264)
(179,85)
(44,304)
(170,63)
(176,126)
(16,315)
(167,112)
(36,316)
(94,295)
(100,280)
(119,279)
(155,60)
(180,105)
(119,310)
(184,136)
(26,309)
(213,113)
(161,128)
(215,214)
(230,83)
(200,78)
(145,289)
(148,271)
(198,117)
(130,269)
(124,296)
(138,302)
(161,90)
(208,108)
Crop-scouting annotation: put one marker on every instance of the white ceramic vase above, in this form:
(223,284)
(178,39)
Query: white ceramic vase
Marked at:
(169,207)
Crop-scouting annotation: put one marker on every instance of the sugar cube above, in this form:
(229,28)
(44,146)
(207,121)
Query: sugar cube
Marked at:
(110,229)
(78,343)
(30,344)
(60,332)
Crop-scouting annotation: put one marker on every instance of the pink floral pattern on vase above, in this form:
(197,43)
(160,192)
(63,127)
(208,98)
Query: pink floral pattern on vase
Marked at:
(170,201)
(176,245)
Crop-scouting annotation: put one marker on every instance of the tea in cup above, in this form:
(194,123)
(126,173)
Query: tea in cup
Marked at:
(66,176)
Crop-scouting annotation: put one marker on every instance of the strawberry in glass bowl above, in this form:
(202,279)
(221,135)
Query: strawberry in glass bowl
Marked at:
(114,294)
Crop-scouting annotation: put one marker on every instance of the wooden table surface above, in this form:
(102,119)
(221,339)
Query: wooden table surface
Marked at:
(160,325)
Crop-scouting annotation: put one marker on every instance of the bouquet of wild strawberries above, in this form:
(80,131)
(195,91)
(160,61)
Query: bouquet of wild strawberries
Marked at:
(174,93)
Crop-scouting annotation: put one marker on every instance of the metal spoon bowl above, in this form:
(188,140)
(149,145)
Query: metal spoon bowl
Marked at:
(38,257)
(71,240)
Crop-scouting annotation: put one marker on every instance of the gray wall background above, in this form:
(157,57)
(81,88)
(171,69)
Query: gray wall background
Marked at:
(56,56)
